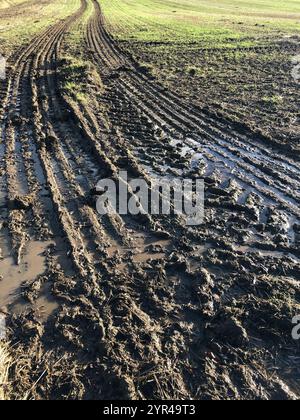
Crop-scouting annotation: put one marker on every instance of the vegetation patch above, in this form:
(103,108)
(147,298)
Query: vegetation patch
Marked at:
(22,20)
(234,57)
(76,76)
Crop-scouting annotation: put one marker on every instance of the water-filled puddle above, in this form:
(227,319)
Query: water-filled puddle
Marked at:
(32,265)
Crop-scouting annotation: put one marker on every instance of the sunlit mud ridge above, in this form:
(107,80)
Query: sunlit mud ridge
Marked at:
(140,307)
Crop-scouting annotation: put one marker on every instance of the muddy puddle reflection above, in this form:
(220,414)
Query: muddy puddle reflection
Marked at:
(13,276)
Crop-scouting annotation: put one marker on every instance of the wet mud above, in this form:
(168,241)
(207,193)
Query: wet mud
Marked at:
(140,307)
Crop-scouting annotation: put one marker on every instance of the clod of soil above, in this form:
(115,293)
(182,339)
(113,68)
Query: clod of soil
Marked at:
(24,202)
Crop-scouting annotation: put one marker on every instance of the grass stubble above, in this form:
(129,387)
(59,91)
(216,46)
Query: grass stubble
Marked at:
(154,31)
(5,364)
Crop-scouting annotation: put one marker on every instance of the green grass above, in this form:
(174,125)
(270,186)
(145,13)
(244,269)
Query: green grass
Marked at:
(76,72)
(272,100)
(232,56)
(75,76)
(218,22)
(18,28)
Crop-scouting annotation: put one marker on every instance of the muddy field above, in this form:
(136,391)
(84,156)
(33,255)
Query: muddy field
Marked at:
(143,307)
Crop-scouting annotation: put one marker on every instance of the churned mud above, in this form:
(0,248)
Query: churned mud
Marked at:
(140,307)
(252,87)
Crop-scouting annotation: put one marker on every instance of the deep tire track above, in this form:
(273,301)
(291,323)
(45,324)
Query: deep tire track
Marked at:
(58,139)
(264,170)
(145,322)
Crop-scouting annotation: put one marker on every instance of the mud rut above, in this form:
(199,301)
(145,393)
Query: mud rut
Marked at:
(141,306)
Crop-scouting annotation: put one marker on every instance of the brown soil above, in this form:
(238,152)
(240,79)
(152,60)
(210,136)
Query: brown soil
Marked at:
(252,87)
(141,307)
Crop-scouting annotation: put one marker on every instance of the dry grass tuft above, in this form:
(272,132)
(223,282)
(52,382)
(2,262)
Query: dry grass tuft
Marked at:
(5,363)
